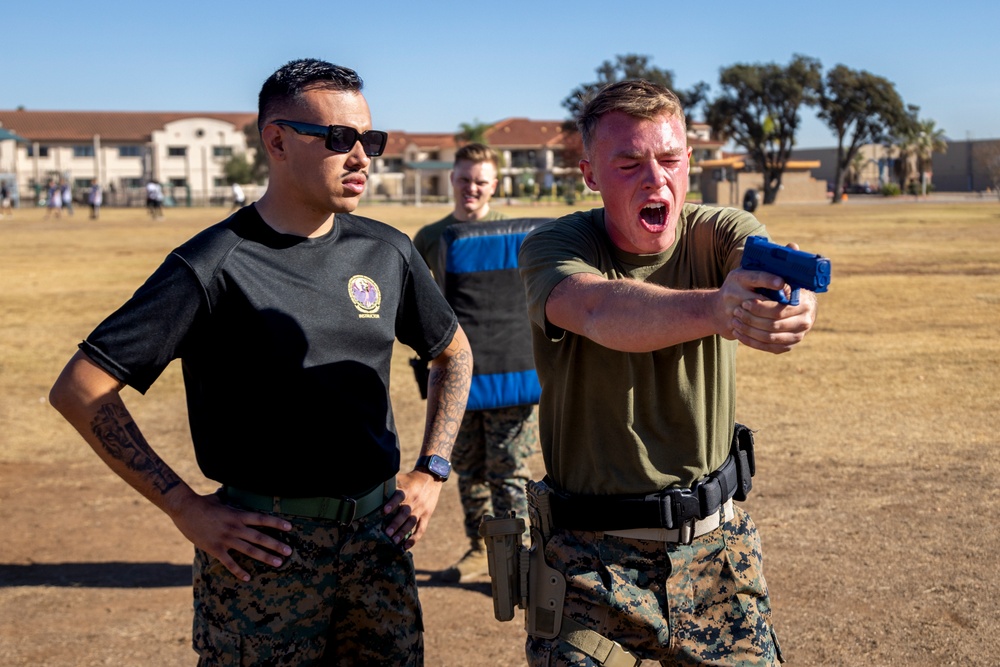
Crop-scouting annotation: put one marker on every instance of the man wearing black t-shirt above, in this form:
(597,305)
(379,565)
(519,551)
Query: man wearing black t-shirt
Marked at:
(284,317)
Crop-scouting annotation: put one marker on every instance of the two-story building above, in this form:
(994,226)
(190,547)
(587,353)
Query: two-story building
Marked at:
(186,152)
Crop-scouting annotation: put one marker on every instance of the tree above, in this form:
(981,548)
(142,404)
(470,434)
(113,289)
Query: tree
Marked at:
(988,157)
(861,108)
(237,169)
(857,165)
(929,139)
(258,169)
(632,66)
(758,109)
(903,140)
(472,133)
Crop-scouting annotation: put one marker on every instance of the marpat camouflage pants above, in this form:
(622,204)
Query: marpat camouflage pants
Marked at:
(491,460)
(703,603)
(346,596)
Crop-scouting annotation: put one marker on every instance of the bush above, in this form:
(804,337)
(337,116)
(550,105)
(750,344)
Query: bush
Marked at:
(890,190)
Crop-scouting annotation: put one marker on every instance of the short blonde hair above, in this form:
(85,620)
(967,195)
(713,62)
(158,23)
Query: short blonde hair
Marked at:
(635,97)
(477,153)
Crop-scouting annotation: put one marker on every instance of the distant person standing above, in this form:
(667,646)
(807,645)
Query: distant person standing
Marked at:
(67,197)
(94,198)
(5,206)
(239,199)
(53,200)
(154,199)
(493,446)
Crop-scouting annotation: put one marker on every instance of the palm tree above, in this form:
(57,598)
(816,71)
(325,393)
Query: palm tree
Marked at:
(904,144)
(927,141)
(472,133)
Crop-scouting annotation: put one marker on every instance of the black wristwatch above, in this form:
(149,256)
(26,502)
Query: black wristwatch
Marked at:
(437,466)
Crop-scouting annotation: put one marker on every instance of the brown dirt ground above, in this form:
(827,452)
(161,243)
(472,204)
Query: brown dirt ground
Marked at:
(875,496)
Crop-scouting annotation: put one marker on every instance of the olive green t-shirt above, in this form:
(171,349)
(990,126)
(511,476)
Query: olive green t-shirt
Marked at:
(620,422)
(428,241)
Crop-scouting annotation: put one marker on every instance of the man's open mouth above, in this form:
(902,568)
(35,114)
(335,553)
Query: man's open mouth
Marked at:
(654,215)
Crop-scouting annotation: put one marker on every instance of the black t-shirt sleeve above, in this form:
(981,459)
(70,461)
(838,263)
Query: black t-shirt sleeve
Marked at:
(424,320)
(137,341)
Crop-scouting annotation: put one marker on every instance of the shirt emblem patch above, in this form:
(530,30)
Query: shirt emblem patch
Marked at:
(365,294)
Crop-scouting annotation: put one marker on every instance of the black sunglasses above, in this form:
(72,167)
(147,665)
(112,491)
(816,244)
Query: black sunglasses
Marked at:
(340,138)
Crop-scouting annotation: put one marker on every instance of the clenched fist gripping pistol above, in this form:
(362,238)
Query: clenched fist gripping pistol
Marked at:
(797,268)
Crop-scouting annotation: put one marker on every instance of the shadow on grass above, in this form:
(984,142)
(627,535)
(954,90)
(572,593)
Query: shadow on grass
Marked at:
(425,579)
(96,575)
(148,575)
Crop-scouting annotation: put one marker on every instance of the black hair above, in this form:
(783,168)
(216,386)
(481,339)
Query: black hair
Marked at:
(297,76)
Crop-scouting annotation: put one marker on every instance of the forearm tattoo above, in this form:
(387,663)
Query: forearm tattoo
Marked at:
(452,382)
(121,438)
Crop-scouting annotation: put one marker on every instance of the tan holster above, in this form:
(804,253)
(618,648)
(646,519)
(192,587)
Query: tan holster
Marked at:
(521,577)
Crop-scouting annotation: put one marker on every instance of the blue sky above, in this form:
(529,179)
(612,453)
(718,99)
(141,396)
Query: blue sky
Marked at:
(428,68)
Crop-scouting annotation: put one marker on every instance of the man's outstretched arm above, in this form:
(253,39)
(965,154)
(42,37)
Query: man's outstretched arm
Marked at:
(633,316)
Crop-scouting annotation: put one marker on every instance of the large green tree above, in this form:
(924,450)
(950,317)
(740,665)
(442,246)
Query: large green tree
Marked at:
(860,108)
(632,66)
(758,109)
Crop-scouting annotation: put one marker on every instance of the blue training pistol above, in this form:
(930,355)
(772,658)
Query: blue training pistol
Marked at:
(798,269)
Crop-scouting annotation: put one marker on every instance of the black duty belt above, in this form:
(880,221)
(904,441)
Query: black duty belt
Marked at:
(669,508)
(341,510)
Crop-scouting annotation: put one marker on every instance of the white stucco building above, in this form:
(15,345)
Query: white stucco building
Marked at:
(185,152)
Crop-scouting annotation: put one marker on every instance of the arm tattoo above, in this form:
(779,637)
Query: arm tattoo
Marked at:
(121,438)
(453,382)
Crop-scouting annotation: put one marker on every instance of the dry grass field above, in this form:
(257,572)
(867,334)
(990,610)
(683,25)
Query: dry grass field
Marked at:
(877,476)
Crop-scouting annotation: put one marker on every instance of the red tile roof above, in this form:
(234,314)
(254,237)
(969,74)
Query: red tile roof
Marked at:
(110,125)
(399,140)
(432,140)
(524,132)
(396,144)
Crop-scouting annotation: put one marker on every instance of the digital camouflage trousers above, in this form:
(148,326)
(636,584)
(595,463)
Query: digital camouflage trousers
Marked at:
(346,596)
(703,603)
(490,459)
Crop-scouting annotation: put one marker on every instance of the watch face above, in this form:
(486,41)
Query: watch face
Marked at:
(439,466)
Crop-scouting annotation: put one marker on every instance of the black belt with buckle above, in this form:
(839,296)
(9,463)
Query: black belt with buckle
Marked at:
(342,510)
(669,508)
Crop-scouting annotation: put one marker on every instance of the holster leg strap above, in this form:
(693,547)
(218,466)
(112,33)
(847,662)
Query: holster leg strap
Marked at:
(605,651)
